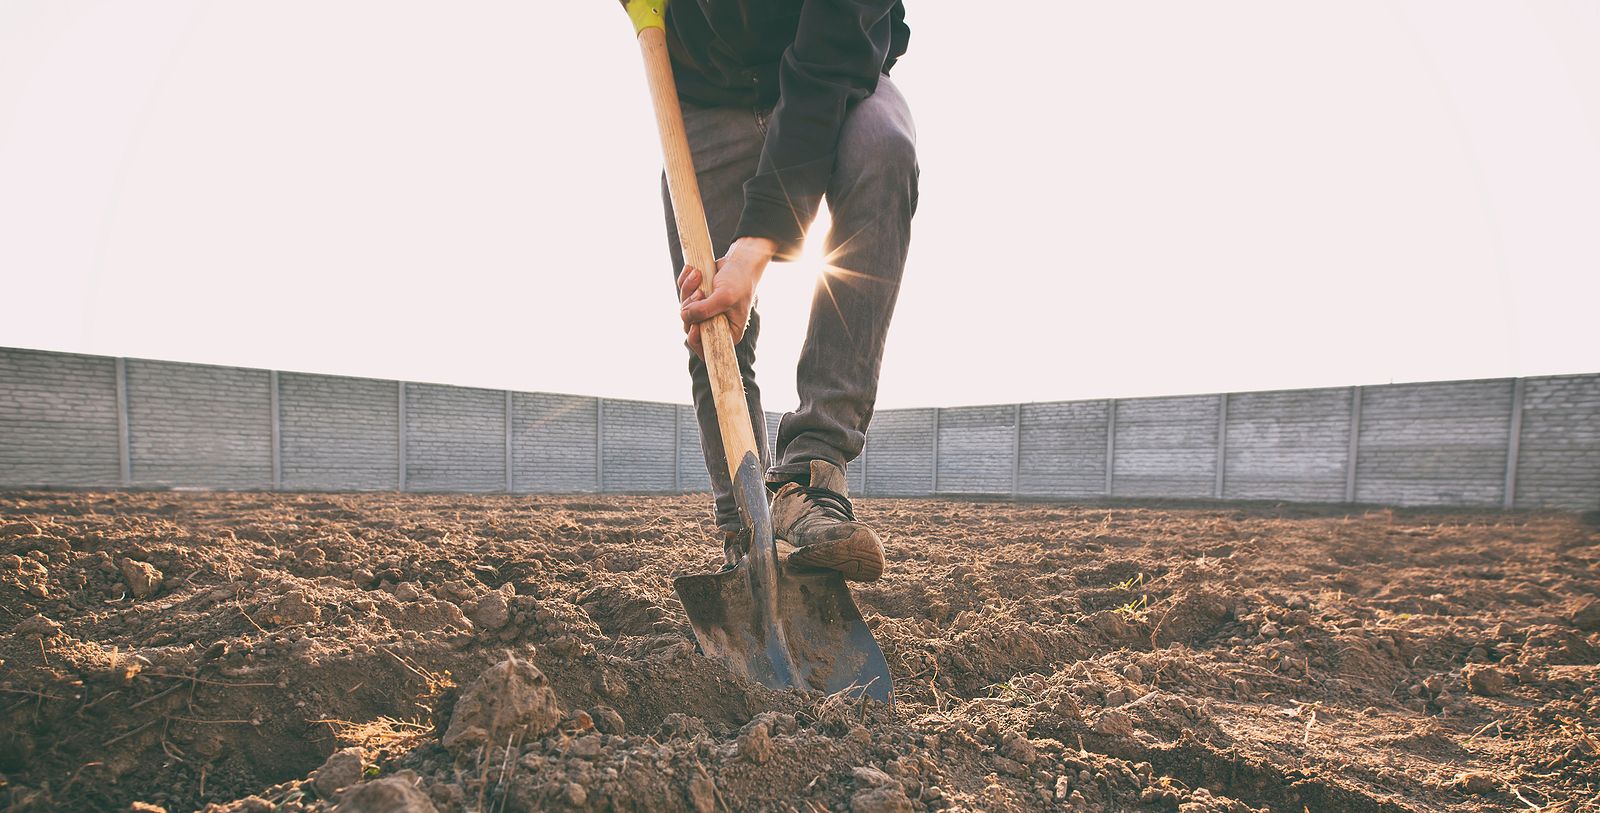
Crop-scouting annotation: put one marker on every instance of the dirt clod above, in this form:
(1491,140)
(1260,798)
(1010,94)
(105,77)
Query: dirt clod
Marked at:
(1479,782)
(293,608)
(882,799)
(1114,724)
(38,626)
(342,769)
(491,612)
(755,744)
(142,578)
(510,700)
(1016,747)
(575,795)
(702,793)
(1486,680)
(866,776)
(393,794)
(1586,616)
(607,720)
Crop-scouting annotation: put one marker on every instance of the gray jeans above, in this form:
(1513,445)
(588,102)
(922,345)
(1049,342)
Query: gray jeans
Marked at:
(872,197)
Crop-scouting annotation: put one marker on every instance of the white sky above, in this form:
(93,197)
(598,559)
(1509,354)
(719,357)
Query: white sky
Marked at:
(1118,199)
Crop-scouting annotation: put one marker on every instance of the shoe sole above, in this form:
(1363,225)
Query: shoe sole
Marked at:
(859,557)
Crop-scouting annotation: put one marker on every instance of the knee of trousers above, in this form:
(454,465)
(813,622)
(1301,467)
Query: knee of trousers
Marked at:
(881,172)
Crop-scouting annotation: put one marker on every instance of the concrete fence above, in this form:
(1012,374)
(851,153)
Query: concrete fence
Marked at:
(76,420)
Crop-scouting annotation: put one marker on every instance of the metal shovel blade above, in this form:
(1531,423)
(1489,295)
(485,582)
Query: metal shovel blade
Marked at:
(781,626)
(825,644)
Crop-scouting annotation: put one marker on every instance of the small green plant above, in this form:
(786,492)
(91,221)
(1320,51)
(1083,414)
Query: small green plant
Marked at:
(1009,690)
(1129,583)
(372,771)
(1135,610)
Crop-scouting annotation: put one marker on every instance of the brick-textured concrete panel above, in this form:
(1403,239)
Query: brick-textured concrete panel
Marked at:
(58,420)
(1558,463)
(1166,447)
(639,440)
(1434,444)
(1064,449)
(455,438)
(692,475)
(553,443)
(1291,445)
(901,453)
(773,420)
(338,434)
(199,426)
(854,475)
(975,449)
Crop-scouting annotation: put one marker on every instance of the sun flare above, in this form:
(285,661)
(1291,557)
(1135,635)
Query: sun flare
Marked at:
(813,259)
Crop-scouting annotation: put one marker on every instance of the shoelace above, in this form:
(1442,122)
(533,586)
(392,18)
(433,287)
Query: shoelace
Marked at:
(832,502)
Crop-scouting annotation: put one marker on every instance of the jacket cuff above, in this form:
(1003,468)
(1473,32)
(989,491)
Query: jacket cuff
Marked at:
(776,222)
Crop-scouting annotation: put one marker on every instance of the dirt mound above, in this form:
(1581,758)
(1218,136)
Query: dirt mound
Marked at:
(248,652)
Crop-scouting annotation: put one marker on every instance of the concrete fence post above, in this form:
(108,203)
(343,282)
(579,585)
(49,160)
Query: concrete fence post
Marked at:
(935,488)
(677,448)
(1355,445)
(124,447)
(1222,445)
(1016,448)
(400,392)
(511,482)
(1111,445)
(600,444)
(1513,442)
(277,429)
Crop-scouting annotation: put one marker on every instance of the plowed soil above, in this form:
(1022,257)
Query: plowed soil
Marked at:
(211,651)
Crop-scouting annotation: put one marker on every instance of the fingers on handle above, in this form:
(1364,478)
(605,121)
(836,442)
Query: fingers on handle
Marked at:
(683,312)
(688,282)
(703,307)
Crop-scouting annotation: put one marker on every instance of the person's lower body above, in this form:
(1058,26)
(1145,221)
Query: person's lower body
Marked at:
(871,198)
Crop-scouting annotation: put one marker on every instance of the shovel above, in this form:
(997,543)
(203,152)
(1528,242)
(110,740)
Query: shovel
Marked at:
(778,625)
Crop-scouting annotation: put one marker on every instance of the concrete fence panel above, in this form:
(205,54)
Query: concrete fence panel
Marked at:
(455,438)
(900,456)
(639,446)
(1063,448)
(338,434)
(1166,447)
(1558,460)
(976,445)
(1434,444)
(58,419)
(692,474)
(553,441)
(195,425)
(1291,445)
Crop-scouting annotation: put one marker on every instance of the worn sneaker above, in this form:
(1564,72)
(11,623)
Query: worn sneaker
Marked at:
(817,519)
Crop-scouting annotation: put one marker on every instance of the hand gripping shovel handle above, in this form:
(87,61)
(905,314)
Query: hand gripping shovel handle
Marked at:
(727,386)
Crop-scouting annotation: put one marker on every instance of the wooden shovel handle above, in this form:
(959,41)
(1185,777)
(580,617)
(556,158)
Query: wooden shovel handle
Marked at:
(716,335)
